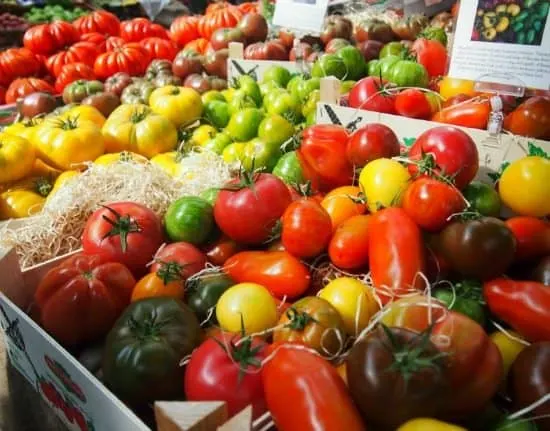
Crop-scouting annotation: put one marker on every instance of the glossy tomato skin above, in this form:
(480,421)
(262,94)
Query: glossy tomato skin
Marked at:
(184,29)
(212,375)
(278,271)
(382,394)
(432,55)
(22,87)
(189,257)
(137,29)
(370,142)
(72,72)
(99,21)
(343,203)
(531,118)
(396,253)
(142,241)
(18,63)
(130,58)
(248,215)
(80,52)
(541,272)
(532,237)
(46,39)
(530,381)
(220,250)
(80,299)
(413,103)
(304,392)
(430,202)
(524,305)
(453,151)
(271,50)
(364,95)
(474,114)
(307,228)
(349,246)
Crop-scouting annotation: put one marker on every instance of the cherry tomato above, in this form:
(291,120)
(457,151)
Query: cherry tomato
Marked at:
(343,203)
(532,237)
(164,283)
(370,142)
(449,87)
(531,118)
(349,246)
(185,258)
(413,103)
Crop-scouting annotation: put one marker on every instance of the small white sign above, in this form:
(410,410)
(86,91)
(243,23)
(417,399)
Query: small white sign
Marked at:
(255,68)
(503,43)
(305,15)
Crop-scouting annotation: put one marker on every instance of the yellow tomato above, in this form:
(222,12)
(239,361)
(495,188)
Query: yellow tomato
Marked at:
(450,87)
(228,94)
(24,198)
(168,162)
(354,301)
(41,169)
(508,347)
(16,158)
(68,142)
(233,152)
(383,182)
(247,302)
(203,134)
(23,129)
(61,180)
(138,129)
(85,112)
(343,203)
(123,156)
(180,105)
(525,186)
(426,424)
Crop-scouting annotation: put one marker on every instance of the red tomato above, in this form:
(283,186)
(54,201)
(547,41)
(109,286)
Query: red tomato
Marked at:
(80,52)
(73,72)
(137,29)
(80,299)
(131,58)
(322,156)
(2,95)
(396,254)
(364,95)
(221,250)
(98,39)
(349,246)
(17,63)
(474,114)
(25,86)
(184,257)
(47,39)
(532,237)
(227,17)
(249,7)
(370,142)
(99,21)
(432,55)
(217,6)
(531,118)
(200,45)
(278,271)
(269,50)
(184,29)
(303,219)
(124,232)
(304,392)
(430,202)
(413,103)
(227,368)
(248,208)
(160,48)
(446,150)
(114,42)
(475,364)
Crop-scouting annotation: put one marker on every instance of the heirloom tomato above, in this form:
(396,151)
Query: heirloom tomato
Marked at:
(190,219)
(343,203)
(80,299)
(184,29)
(186,256)
(72,72)
(21,87)
(249,207)
(46,39)
(414,312)
(469,113)
(203,293)
(509,348)
(17,156)
(80,52)
(407,73)
(160,48)
(432,55)
(227,368)
(79,90)
(450,87)
(528,173)
(445,150)
(246,307)
(349,246)
(396,254)
(179,104)
(427,424)
(465,297)
(137,29)
(98,21)
(413,103)
(318,396)
(370,142)
(305,218)
(24,198)
(531,118)
(124,232)
(99,40)
(85,113)
(166,282)
(369,94)
(130,58)
(223,18)
(483,198)
(278,271)
(532,237)
(269,50)
(18,63)
(288,169)
(221,249)
(198,46)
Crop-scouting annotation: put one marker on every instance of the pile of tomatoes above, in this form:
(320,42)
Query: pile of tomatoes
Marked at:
(383,291)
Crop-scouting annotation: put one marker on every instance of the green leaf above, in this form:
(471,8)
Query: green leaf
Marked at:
(535,150)
(409,141)
(495,176)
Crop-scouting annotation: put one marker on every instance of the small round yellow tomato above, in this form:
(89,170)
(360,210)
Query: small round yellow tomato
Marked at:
(153,286)
(343,203)
(354,301)
(383,182)
(168,162)
(203,134)
(525,186)
(508,347)
(450,87)
(427,424)
(85,112)
(233,152)
(16,158)
(60,181)
(247,302)
(123,156)
(180,105)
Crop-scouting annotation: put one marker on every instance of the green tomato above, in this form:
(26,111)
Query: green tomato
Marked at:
(210,195)
(515,425)
(218,143)
(392,48)
(189,219)
(353,60)
(483,198)
(288,169)
(244,124)
(233,152)
(305,88)
(211,95)
(407,73)
(386,66)
(311,104)
(277,74)
(205,292)
(292,86)
(466,299)
(346,86)
(311,118)
(217,113)
(259,155)
(250,87)
(435,33)
(287,105)
(268,87)
(329,65)
(239,101)
(275,130)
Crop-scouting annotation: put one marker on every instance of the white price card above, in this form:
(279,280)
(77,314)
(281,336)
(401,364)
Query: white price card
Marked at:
(503,42)
(304,15)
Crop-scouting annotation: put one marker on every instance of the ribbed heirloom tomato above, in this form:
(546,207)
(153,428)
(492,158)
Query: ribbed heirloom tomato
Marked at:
(137,29)
(80,52)
(131,58)
(24,86)
(99,21)
(73,72)
(17,63)
(46,39)
(184,29)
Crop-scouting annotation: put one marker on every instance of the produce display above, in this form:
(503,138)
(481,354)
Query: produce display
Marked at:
(49,13)
(220,245)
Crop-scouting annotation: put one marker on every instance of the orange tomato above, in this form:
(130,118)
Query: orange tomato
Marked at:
(152,285)
(449,87)
(341,204)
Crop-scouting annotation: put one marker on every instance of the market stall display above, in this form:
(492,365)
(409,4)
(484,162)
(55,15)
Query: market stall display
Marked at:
(183,224)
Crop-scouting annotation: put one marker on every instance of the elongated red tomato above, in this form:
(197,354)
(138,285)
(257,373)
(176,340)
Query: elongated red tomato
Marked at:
(349,246)
(307,228)
(278,271)
(304,392)
(396,254)
(532,237)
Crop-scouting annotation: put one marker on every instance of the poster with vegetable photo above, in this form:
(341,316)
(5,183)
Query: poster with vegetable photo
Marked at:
(520,22)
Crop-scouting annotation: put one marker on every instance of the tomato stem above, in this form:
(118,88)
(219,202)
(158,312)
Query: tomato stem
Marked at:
(298,319)
(122,226)
(170,271)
